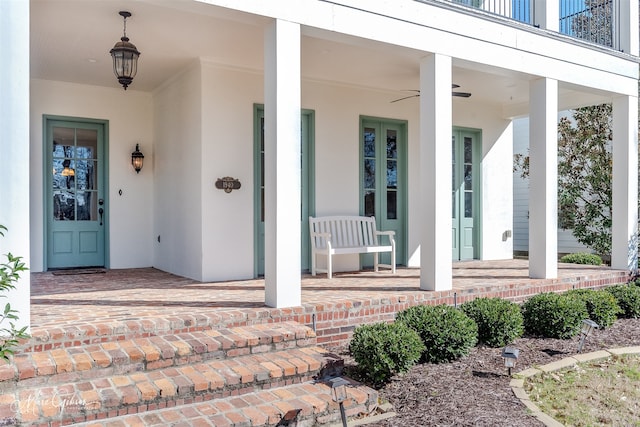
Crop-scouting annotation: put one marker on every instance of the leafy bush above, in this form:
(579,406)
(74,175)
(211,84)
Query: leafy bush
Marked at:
(551,315)
(582,258)
(9,275)
(447,333)
(628,298)
(385,349)
(499,321)
(602,307)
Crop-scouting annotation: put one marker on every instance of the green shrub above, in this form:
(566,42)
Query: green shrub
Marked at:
(447,333)
(582,258)
(628,298)
(385,349)
(553,316)
(499,321)
(602,307)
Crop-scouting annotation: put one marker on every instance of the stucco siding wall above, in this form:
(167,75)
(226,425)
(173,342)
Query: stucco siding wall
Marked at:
(130,215)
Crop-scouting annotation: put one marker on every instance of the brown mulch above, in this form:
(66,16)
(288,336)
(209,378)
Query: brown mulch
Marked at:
(474,391)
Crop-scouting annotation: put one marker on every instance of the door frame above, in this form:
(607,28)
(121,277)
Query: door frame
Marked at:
(403,177)
(257,179)
(477,192)
(46,169)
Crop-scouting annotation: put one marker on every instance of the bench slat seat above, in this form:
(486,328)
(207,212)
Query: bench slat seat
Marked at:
(337,235)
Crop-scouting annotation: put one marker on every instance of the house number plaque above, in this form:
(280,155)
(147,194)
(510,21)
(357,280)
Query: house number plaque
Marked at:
(228,184)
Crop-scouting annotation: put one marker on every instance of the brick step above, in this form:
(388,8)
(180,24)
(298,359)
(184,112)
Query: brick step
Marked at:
(121,357)
(308,404)
(136,392)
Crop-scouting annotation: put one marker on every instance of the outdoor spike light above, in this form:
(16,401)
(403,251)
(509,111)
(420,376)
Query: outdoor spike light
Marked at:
(125,56)
(137,159)
(510,356)
(588,325)
(339,395)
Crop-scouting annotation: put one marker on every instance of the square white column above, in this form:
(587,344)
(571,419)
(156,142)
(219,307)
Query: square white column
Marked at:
(435,173)
(282,88)
(14,148)
(624,227)
(546,14)
(627,29)
(543,179)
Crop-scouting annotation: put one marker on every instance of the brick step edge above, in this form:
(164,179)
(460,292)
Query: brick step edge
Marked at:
(306,404)
(141,391)
(152,353)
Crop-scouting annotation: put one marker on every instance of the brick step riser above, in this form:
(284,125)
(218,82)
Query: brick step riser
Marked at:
(48,406)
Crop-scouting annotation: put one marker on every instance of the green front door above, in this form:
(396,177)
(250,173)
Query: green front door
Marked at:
(383,180)
(74,193)
(307,207)
(465,156)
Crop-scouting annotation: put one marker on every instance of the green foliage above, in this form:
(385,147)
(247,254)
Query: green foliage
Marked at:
(499,321)
(628,298)
(602,306)
(552,315)
(9,275)
(385,349)
(447,333)
(582,258)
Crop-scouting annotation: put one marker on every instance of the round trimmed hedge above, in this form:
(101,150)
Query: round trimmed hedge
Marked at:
(601,305)
(447,333)
(552,315)
(499,321)
(385,349)
(628,298)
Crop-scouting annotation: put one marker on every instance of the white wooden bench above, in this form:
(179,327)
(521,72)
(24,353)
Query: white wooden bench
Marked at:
(335,235)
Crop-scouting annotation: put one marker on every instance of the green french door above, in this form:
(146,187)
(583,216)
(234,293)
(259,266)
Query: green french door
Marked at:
(74,193)
(465,156)
(307,173)
(383,180)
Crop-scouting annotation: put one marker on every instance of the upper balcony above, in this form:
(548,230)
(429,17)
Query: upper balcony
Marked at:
(602,22)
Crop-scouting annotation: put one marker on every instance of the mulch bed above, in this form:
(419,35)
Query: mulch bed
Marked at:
(474,391)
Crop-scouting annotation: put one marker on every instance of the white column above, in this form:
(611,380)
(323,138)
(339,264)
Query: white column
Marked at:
(543,179)
(624,228)
(546,14)
(435,173)
(282,164)
(627,17)
(14,147)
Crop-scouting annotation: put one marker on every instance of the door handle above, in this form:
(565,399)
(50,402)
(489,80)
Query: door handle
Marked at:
(100,211)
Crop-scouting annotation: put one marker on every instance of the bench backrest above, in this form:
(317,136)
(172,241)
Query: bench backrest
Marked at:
(346,231)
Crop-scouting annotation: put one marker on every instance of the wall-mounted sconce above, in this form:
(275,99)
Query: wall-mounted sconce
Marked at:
(125,56)
(137,159)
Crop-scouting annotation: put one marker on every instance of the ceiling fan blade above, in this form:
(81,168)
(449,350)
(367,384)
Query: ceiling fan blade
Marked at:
(461,94)
(406,97)
(455,86)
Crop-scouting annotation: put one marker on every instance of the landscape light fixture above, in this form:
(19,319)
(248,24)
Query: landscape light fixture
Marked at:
(137,159)
(125,56)
(588,325)
(339,395)
(510,356)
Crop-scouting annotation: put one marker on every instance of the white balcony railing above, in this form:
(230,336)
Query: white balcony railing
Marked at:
(592,20)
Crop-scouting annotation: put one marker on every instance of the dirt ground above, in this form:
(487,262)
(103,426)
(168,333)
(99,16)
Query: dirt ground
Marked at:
(474,391)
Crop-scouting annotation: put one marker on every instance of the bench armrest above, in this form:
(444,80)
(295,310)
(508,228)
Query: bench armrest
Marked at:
(325,235)
(390,233)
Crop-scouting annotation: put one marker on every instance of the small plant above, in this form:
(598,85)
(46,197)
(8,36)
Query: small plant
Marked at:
(582,258)
(385,349)
(447,333)
(628,298)
(499,321)
(552,315)
(602,306)
(9,275)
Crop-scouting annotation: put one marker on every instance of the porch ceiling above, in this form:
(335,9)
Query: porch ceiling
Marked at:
(70,41)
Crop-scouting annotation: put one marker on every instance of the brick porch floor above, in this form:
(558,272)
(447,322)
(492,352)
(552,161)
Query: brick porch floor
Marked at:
(121,303)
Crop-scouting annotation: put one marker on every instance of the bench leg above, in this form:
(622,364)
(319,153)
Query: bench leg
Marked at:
(329,266)
(375,262)
(313,263)
(393,261)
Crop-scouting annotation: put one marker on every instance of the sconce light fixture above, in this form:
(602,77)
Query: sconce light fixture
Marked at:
(66,169)
(125,56)
(137,159)
(510,356)
(588,325)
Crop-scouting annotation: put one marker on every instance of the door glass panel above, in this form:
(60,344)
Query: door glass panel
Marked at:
(85,174)
(468,150)
(392,144)
(64,205)
(468,178)
(392,205)
(369,142)
(454,200)
(392,174)
(468,204)
(87,206)
(369,174)
(369,203)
